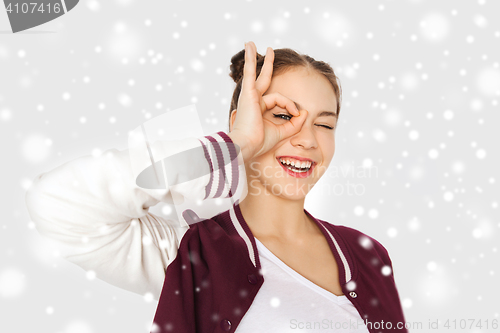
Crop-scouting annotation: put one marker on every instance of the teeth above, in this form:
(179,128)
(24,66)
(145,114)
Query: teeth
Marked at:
(296,165)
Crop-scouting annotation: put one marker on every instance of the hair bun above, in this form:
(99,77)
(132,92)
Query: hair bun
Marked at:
(238,63)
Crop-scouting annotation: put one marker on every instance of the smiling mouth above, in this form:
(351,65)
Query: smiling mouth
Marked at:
(294,168)
(297,171)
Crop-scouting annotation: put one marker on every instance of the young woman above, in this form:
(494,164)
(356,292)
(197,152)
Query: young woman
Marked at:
(264,265)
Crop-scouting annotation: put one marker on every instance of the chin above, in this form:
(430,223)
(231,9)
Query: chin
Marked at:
(289,188)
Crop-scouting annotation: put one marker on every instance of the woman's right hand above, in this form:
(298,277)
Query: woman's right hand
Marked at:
(254,134)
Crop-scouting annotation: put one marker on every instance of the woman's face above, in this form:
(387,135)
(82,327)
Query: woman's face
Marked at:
(314,142)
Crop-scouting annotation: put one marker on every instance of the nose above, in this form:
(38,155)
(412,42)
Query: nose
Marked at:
(305,138)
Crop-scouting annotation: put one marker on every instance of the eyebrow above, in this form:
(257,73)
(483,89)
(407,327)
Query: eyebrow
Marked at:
(322,113)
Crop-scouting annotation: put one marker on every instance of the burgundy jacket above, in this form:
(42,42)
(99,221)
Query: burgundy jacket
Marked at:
(215,276)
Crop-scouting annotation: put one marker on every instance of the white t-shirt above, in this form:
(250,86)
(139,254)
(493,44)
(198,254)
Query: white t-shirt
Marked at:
(288,302)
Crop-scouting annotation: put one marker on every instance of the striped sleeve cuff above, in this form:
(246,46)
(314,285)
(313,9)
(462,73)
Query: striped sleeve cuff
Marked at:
(222,156)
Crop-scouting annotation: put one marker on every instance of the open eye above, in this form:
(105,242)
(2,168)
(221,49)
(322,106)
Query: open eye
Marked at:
(283,115)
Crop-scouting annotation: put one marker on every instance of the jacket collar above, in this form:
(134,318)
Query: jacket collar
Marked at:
(337,245)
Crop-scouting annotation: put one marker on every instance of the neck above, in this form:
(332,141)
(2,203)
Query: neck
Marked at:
(271,216)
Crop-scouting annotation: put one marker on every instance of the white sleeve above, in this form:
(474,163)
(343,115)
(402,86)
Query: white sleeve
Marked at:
(93,209)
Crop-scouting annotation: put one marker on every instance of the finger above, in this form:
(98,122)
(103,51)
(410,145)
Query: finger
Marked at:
(277,99)
(293,126)
(266,73)
(249,71)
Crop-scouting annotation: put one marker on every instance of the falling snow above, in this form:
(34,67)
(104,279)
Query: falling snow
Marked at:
(421,87)
(12,283)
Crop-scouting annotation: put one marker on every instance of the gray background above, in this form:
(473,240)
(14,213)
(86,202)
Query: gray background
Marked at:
(421,87)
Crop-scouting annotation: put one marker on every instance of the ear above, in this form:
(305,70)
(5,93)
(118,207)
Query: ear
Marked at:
(233,118)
